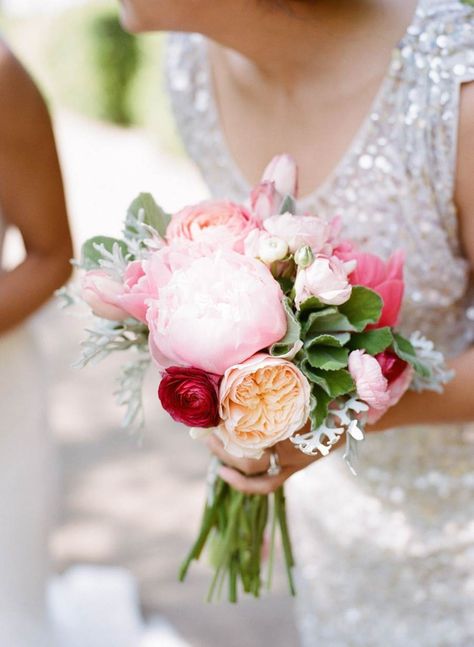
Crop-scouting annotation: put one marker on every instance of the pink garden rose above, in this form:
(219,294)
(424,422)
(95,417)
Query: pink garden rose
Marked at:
(299,231)
(380,381)
(100,291)
(326,279)
(216,224)
(216,312)
(283,172)
(385,278)
(263,401)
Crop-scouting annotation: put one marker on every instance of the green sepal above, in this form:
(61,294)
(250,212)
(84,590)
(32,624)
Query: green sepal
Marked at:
(328,358)
(90,256)
(372,341)
(288,205)
(293,332)
(154,216)
(404,349)
(334,383)
(363,308)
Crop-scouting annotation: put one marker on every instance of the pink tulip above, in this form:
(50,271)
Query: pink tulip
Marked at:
(380,381)
(385,278)
(137,289)
(370,382)
(100,291)
(216,312)
(283,171)
(326,279)
(265,200)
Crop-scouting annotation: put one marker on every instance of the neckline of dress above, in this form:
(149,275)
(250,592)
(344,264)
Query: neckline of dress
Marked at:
(228,162)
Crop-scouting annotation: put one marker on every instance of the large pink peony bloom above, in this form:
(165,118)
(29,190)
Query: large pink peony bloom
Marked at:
(299,231)
(216,224)
(217,311)
(385,278)
(380,381)
(263,401)
(326,279)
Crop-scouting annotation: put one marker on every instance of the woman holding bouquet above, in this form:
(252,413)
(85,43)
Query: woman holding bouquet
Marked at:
(375,100)
(31,199)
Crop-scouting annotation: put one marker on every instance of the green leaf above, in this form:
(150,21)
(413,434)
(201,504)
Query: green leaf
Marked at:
(328,358)
(404,349)
(90,256)
(337,339)
(334,383)
(311,304)
(372,341)
(329,320)
(319,406)
(363,308)
(293,332)
(288,205)
(154,216)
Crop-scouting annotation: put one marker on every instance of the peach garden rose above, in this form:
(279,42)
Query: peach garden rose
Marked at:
(263,401)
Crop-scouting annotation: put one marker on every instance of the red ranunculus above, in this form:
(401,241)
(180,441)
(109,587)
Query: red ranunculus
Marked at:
(190,396)
(392,366)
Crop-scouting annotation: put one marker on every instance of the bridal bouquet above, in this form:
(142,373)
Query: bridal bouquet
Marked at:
(261,320)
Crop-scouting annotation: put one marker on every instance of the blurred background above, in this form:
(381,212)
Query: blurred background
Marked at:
(124,501)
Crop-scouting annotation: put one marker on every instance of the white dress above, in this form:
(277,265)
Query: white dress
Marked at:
(386,558)
(25,491)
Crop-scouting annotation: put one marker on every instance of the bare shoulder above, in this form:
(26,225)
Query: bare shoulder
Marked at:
(23,113)
(465,169)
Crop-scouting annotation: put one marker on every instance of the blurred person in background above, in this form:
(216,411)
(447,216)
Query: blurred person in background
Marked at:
(375,100)
(32,200)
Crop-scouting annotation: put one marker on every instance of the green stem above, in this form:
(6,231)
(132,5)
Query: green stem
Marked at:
(285,536)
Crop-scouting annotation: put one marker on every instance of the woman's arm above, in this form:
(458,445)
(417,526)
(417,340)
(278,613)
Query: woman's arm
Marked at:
(455,404)
(31,195)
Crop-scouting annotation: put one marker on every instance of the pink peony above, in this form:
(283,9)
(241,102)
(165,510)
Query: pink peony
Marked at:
(216,312)
(100,291)
(263,401)
(380,381)
(300,231)
(216,224)
(385,278)
(283,171)
(326,279)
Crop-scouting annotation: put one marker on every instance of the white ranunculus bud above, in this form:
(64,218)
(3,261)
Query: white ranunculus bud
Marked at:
(304,257)
(272,249)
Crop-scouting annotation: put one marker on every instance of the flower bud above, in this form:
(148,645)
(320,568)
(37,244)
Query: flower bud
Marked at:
(272,249)
(283,171)
(304,257)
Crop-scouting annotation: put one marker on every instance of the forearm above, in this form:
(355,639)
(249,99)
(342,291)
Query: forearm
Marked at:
(454,405)
(26,288)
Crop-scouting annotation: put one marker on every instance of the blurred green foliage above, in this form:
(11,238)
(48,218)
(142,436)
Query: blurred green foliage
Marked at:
(83,61)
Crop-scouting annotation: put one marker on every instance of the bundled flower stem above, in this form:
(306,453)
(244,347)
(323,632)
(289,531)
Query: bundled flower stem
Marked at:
(234,527)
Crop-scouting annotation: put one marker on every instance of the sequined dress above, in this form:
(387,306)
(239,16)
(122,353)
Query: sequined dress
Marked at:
(386,559)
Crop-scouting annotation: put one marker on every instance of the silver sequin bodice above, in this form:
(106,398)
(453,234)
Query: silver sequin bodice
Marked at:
(386,558)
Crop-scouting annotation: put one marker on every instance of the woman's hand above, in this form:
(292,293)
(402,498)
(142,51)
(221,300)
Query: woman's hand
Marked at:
(249,475)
